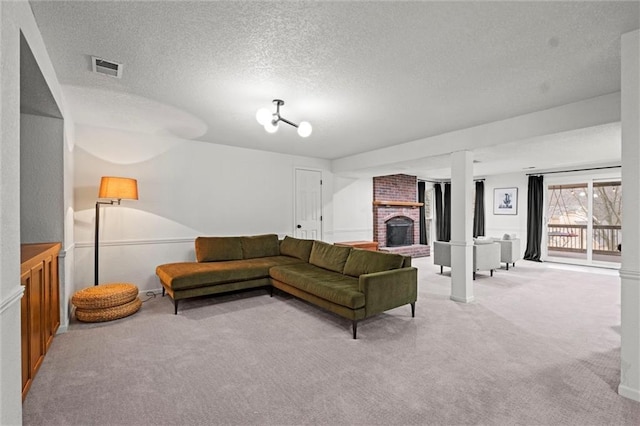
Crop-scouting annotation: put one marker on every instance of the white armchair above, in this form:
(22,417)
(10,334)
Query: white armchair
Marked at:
(442,254)
(485,256)
(509,251)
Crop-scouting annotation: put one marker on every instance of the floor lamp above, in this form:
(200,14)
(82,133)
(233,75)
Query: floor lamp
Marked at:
(115,188)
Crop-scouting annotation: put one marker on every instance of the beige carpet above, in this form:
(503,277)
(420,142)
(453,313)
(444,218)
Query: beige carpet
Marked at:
(539,346)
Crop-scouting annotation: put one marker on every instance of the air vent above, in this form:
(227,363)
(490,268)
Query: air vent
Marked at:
(102,66)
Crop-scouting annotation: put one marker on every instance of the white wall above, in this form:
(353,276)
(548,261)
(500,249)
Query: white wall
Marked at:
(498,225)
(46,193)
(10,289)
(15,17)
(186,189)
(66,257)
(41,179)
(352,209)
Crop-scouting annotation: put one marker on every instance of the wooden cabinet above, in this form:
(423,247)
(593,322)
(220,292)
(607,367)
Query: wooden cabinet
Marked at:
(40,306)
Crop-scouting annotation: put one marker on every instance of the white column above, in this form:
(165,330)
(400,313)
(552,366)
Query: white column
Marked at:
(10,288)
(461,227)
(630,270)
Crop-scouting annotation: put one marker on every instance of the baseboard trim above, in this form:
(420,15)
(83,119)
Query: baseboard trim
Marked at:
(462,299)
(629,393)
(155,291)
(14,297)
(629,274)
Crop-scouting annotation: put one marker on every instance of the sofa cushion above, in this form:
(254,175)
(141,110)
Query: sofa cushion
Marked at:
(366,262)
(296,247)
(186,275)
(260,246)
(213,249)
(332,286)
(329,256)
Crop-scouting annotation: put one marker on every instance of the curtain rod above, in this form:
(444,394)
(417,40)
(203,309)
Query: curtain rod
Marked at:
(574,170)
(445,180)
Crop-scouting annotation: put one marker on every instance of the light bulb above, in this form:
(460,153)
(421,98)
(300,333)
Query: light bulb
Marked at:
(263,116)
(304,129)
(271,126)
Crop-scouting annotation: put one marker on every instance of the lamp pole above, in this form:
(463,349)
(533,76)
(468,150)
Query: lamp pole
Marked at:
(95,264)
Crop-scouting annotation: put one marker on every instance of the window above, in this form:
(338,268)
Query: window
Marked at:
(584,221)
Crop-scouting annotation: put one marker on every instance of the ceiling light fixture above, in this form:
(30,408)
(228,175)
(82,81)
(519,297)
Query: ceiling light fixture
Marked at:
(270,120)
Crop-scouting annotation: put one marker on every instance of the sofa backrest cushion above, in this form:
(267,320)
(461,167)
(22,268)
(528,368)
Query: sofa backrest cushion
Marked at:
(260,246)
(366,262)
(329,256)
(213,249)
(296,247)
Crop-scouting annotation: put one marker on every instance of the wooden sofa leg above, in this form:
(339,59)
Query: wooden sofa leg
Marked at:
(474,275)
(413,310)
(507,266)
(271,291)
(492,272)
(440,269)
(354,326)
(162,291)
(175,307)
(514,264)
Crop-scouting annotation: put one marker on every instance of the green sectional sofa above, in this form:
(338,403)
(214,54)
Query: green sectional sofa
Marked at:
(350,282)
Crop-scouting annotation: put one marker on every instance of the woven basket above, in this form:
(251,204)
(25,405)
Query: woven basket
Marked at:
(105,296)
(108,314)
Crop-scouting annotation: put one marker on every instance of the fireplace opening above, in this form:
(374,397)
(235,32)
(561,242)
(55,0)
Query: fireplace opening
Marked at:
(399,232)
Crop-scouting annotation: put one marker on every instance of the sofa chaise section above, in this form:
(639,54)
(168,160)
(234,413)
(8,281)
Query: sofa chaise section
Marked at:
(184,280)
(223,264)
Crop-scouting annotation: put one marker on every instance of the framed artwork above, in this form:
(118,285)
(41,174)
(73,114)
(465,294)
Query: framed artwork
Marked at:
(505,201)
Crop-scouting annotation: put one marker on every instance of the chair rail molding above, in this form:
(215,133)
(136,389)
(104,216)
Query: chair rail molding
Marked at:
(14,296)
(180,240)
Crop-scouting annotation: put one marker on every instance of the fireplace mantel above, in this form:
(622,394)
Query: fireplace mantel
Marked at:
(397,203)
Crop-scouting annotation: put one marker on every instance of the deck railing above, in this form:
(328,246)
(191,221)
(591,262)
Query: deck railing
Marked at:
(573,238)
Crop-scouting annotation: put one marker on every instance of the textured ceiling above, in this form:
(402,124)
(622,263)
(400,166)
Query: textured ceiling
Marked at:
(367,75)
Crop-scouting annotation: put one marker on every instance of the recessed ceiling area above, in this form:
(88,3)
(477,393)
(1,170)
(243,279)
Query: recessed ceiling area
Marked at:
(35,96)
(367,75)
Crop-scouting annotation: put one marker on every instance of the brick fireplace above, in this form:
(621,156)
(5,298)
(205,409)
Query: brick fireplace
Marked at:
(396,215)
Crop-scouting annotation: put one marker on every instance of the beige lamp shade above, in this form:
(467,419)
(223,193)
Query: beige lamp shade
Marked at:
(118,188)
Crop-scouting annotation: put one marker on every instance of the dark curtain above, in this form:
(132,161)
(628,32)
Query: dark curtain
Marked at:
(446,216)
(423,220)
(478,211)
(439,212)
(534,219)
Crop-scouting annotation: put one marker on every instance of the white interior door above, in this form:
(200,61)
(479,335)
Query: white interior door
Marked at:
(308,204)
